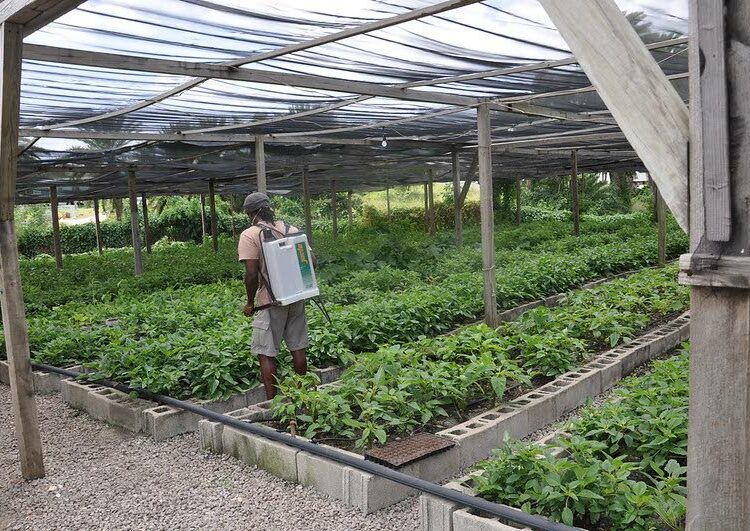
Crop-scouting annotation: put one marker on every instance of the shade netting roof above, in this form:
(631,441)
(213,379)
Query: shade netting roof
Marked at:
(97,122)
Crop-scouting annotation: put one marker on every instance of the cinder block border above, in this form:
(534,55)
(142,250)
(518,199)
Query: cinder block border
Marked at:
(45,383)
(158,421)
(475,438)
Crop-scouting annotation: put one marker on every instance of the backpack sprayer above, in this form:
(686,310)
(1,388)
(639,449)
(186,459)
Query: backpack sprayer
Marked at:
(289,269)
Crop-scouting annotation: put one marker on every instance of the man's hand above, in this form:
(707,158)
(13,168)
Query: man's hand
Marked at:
(248,310)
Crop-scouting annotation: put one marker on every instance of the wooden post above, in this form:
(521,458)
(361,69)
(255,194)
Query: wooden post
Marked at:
(203,217)
(431,197)
(349,208)
(214,221)
(334,211)
(260,164)
(117,204)
(574,192)
(146,227)
(661,223)
(306,203)
(98,227)
(56,247)
(426,209)
(518,200)
(134,228)
(388,201)
(718,271)
(484,151)
(458,219)
(11,295)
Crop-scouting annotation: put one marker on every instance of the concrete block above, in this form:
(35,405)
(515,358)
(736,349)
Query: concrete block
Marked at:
(163,422)
(275,458)
(127,412)
(4,372)
(328,375)
(75,393)
(436,514)
(323,475)
(209,435)
(468,520)
(46,383)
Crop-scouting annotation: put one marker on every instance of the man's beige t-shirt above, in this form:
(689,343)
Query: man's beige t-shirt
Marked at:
(249,248)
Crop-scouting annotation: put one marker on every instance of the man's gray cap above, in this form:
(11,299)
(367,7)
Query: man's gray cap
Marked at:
(256,201)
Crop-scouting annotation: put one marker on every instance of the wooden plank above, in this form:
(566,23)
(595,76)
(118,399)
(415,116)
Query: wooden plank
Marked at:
(146,226)
(458,218)
(715,125)
(214,220)
(34,14)
(469,178)
(484,154)
(56,247)
(334,211)
(11,295)
(98,228)
(649,111)
(135,233)
(306,203)
(575,208)
(260,165)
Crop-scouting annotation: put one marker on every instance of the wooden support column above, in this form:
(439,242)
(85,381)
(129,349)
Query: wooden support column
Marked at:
(718,270)
(661,224)
(306,203)
(56,246)
(214,220)
(349,208)
(518,200)
(11,295)
(260,164)
(117,204)
(484,152)
(388,201)
(458,219)
(431,201)
(334,211)
(146,227)
(575,208)
(203,217)
(135,233)
(98,227)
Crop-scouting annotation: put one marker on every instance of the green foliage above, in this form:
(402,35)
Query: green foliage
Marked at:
(621,466)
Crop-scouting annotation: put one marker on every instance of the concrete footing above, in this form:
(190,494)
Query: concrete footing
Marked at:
(158,421)
(475,439)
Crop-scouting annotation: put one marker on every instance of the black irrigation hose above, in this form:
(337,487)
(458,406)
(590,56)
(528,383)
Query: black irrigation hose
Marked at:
(495,509)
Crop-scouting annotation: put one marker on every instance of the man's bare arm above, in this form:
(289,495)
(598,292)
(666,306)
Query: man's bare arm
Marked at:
(251,280)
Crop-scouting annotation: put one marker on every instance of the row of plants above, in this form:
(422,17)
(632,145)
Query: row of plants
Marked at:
(619,466)
(400,388)
(194,341)
(94,278)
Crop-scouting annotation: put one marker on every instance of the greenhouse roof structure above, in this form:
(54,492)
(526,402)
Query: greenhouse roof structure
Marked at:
(358,95)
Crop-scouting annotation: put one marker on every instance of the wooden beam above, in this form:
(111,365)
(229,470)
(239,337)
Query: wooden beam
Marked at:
(98,228)
(334,211)
(214,219)
(458,219)
(469,178)
(574,193)
(203,218)
(647,108)
(260,165)
(34,14)
(11,295)
(146,226)
(56,247)
(484,152)
(135,233)
(306,203)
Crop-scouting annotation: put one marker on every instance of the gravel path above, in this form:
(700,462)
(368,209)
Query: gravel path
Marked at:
(100,477)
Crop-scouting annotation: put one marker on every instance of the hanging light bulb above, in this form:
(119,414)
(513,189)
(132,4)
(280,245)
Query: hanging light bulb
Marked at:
(512,128)
(384,142)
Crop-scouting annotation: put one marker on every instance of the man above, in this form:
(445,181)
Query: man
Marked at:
(271,323)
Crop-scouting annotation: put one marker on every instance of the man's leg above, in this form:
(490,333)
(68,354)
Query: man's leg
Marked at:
(268,374)
(299,361)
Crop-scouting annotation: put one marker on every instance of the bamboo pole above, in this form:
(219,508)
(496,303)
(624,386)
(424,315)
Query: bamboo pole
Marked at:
(146,227)
(11,295)
(98,227)
(457,211)
(214,221)
(134,228)
(56,246)
(484,152)
(574,192)
(306,203)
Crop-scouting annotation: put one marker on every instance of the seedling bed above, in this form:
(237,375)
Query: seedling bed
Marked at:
(474,439)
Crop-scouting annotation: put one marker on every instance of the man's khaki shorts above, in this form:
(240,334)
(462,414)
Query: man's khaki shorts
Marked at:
(273,324)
